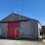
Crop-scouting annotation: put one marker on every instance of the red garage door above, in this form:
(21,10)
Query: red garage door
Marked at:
(13,30)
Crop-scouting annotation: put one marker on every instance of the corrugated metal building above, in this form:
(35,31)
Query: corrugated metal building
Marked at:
(17,26)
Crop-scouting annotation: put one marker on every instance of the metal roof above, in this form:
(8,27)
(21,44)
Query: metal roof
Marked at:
(16,17)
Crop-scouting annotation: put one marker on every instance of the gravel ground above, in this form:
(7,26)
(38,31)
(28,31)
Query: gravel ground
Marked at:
(20,42)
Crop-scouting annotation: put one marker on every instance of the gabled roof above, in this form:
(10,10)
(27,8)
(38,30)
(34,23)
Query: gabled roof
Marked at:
(16,17)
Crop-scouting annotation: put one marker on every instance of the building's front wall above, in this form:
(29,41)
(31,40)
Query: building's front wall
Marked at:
(28,29)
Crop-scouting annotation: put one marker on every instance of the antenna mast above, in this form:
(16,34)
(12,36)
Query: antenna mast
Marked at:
(18,8)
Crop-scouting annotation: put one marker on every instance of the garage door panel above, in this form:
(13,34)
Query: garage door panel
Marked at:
(12,31)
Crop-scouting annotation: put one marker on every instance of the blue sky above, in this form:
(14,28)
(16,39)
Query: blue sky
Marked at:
(30,8)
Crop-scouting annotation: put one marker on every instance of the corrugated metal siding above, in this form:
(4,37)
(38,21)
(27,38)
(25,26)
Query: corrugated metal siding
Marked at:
(3,27)
(34,28)
(25,29)
(29,29)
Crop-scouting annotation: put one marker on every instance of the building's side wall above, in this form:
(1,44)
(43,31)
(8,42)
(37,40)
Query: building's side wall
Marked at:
(29,29)
(39,30)
(3,28)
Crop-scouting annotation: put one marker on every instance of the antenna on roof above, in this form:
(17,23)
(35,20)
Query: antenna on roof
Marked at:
(18,6)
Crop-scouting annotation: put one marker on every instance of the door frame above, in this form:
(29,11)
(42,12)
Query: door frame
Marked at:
(19,32)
